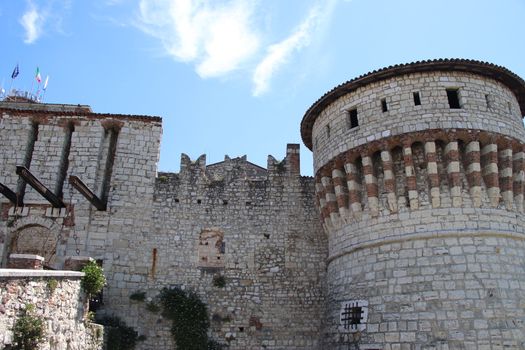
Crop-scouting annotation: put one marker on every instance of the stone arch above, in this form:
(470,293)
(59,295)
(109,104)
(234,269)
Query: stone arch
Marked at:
(34,236)
(34,239)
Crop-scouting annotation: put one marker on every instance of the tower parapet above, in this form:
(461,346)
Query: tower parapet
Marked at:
(419,172)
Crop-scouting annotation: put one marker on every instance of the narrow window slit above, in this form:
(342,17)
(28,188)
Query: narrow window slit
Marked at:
(384,106)
(417,99)
(33,137)
(353,122)
(453,98)
(64,160)
(110,159)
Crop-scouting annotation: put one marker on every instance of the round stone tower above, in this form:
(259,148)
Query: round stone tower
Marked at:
(420,185)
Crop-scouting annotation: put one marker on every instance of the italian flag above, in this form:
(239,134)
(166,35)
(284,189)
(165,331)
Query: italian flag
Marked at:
(38,77)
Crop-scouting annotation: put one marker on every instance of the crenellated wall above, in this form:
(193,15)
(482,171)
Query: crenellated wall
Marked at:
(256,227)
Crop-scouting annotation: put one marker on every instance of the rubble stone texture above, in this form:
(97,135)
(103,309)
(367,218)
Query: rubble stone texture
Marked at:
(56,298)
(410,235)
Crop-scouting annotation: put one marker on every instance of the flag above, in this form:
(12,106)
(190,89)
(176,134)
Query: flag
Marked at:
(38,77)
(45,83)
(15,72)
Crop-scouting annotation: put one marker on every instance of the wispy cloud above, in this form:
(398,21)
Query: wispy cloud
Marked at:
(45,17)
(218,38)
(32,21)
(279,54)
(221,37)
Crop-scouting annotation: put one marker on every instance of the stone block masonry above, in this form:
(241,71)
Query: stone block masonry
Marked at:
(57,299)
(429,254)
(418,188)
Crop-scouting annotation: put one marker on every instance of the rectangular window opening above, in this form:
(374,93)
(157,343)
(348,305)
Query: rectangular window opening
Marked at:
(384,106)
(352,117)
(487,101)
(509,106)
(417,99)
(327,131)
(453,98)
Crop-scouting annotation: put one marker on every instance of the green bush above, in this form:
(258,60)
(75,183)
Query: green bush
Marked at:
(94,279)
(219,281)
(189,317)
(52,284)
(28,331)
(138,295)
(152,307)
(119,335)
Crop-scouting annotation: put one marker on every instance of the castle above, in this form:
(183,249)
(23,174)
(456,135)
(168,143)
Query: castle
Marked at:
(411,234)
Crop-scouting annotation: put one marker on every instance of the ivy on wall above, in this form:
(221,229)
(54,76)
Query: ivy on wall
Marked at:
(189,317)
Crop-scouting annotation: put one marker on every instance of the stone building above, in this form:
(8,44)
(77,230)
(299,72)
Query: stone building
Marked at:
(410,235)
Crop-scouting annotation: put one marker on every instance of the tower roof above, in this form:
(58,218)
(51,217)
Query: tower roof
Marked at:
(514,82)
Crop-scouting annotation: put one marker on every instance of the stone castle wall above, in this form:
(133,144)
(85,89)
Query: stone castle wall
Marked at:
(256,227)
(61,307)
(423,206)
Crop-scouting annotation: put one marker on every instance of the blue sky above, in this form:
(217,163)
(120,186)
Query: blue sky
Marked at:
(235,77)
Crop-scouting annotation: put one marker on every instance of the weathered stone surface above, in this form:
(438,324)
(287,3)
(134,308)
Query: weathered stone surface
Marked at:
(61,308)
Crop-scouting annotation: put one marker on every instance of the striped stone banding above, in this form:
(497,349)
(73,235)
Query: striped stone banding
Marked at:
(354,187)
(341,191)
(505,173)
(489,155)
(410,174)
(518,177)
(432,170)
(320,194)
(453,170)
(389,180)
(331,201)
(370,185)
(473,165)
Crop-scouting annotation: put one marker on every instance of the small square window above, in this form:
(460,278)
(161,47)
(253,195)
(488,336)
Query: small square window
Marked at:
(417,99)
(353,122)
(384,106)
(453,98)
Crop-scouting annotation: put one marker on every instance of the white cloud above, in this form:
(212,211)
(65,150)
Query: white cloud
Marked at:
(280,53)
(32,21)
(46,17)
(218,38)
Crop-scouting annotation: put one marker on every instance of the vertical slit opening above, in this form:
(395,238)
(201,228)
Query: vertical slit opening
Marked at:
(384,106)
(64,160)
(353,122)
(108,168)
(33,137)
(417,99)
(453,98)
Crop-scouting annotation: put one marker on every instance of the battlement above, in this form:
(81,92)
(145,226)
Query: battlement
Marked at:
(234,169)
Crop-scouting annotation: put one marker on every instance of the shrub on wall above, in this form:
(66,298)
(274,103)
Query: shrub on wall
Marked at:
(28,330)
(94,279)
(119,335)
(189,316)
